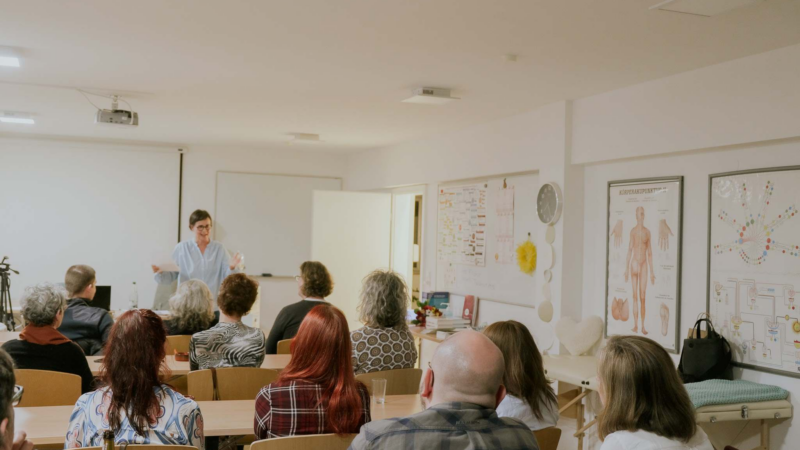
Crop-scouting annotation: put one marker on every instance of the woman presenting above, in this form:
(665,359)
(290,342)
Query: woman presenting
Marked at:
(200,258)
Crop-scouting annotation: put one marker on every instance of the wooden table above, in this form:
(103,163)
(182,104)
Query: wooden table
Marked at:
(275,362)
(6,336)
(48,425)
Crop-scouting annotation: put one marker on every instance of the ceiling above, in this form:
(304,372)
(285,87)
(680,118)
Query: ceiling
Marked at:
(250,72)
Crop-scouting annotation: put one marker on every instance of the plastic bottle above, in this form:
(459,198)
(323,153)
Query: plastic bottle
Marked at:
(134,298)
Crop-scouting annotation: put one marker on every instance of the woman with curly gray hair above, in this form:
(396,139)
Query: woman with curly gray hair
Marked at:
(384,343)
(191,309)
(40,345)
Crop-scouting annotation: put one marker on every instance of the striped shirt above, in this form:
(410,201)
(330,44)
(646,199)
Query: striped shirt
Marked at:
(227,345)
(296,407)
(454,426)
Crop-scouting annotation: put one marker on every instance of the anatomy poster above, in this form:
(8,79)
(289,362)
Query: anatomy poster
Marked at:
(644,259)
(754,266)
(462,225)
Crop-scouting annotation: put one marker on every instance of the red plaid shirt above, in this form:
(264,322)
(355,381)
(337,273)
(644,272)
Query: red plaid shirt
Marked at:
(293,408)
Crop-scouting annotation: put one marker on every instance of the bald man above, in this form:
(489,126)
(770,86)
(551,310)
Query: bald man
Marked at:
(460,392)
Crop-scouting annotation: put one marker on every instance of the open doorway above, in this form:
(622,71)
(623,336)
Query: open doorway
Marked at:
(407,222)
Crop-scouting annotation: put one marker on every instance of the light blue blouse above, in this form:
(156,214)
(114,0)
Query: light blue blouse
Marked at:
(210,267)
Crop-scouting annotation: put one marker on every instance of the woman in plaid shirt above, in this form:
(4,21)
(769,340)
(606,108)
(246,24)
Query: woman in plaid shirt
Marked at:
(317,392)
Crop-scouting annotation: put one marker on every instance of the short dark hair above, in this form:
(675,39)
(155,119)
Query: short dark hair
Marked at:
(197,216)
(7,382)
(317,282)
(78,278)
(237,294)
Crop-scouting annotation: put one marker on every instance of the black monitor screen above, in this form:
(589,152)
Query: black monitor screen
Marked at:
(102,299)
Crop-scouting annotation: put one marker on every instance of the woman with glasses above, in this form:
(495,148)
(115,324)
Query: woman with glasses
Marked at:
(313,284)
(200,258)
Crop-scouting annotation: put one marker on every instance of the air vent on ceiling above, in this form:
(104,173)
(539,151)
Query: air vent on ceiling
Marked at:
(705,8)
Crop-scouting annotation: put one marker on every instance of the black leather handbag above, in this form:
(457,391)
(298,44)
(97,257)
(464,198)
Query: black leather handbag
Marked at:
(705,358)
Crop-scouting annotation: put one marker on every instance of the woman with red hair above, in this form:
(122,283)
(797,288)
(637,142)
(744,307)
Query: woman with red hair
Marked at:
(317,392)
(133,402)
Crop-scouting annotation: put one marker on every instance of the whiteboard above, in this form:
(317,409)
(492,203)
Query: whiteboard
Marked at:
(268,218)
(114,210)
(493,280)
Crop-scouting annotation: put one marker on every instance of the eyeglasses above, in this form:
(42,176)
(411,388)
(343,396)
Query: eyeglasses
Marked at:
(15,399)
(204,227)
(298,278)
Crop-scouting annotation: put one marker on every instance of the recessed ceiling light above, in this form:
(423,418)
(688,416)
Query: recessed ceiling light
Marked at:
(16,117)
(9,61)
(304,138)
(430,96)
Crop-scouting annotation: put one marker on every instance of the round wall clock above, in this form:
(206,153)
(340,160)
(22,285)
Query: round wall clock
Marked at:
(549,203)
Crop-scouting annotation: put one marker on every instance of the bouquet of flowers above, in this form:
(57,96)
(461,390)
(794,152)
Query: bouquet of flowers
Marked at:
(423,310)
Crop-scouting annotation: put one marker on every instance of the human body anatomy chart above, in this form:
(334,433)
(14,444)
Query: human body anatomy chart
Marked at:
(754,261)
(642,290)
(462,225)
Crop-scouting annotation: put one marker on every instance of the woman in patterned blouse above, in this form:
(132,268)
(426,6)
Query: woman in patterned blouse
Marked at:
(230,343)
(317,392)
(132,401)
(384,343)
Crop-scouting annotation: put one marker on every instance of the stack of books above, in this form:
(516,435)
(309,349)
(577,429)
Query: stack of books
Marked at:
(443,323)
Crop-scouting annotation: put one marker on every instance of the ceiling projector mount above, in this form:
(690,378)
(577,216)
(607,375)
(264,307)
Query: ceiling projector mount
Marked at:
(113,116)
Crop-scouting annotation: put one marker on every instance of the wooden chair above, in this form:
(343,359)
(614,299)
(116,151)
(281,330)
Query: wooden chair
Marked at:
(307,442)
(548,438)
(179,343)
(233,383)
(147,447)
(47,388)
(285,347)
(398,381)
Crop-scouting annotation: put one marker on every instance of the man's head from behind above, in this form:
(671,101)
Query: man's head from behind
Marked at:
(81,282)
(7,382)
(466,367)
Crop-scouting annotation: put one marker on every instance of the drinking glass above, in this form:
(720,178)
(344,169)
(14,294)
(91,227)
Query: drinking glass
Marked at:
(379,390)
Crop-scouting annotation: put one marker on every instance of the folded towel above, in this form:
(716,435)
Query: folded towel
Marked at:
(723,392)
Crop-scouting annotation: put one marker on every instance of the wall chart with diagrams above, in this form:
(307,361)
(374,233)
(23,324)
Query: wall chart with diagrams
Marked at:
(754,266)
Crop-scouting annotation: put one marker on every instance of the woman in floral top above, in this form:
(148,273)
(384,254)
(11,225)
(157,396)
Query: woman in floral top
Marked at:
(384,343)
(132,401)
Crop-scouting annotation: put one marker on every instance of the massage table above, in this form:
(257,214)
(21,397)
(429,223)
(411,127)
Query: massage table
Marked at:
(581,371)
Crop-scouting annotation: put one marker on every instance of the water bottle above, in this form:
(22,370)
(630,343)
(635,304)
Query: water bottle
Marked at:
(134,298)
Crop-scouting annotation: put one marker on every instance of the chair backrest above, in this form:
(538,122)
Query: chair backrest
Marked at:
(398,381)
(548,438)
(232,383)
(285,347)
(148,447)
(47,388)
(307,442)
(179,343)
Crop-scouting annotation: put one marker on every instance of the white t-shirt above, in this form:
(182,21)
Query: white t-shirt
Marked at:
(517,408)
(645,440)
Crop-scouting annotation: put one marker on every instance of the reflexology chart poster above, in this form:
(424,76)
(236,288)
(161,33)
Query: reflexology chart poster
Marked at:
(754,266)
(643,259)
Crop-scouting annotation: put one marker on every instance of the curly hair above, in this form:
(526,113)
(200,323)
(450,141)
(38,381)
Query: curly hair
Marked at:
(191,307)
(42,303)
(384,299)
(317,282)
(237,295)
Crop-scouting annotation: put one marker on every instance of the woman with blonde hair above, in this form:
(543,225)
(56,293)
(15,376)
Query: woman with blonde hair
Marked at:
(529,398)
(191,309)
(646,405)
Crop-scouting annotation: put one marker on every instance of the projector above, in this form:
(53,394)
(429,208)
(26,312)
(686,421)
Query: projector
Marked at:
(117,117)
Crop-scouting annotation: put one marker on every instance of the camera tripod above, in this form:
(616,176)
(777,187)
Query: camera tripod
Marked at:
(6,310)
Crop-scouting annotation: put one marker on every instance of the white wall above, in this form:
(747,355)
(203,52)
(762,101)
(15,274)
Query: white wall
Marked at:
(200,166)
(746,100)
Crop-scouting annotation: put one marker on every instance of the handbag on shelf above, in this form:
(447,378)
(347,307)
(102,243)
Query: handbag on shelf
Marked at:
(705,358)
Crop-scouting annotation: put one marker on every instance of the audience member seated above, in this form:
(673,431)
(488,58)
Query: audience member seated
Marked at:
(10,395)
(133,402)
(40,345)
(191,309)
(230,343)
(317,392)
(646,405)
(384,343)
(460,392)
(313,284)
(87,326)
(529,396)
